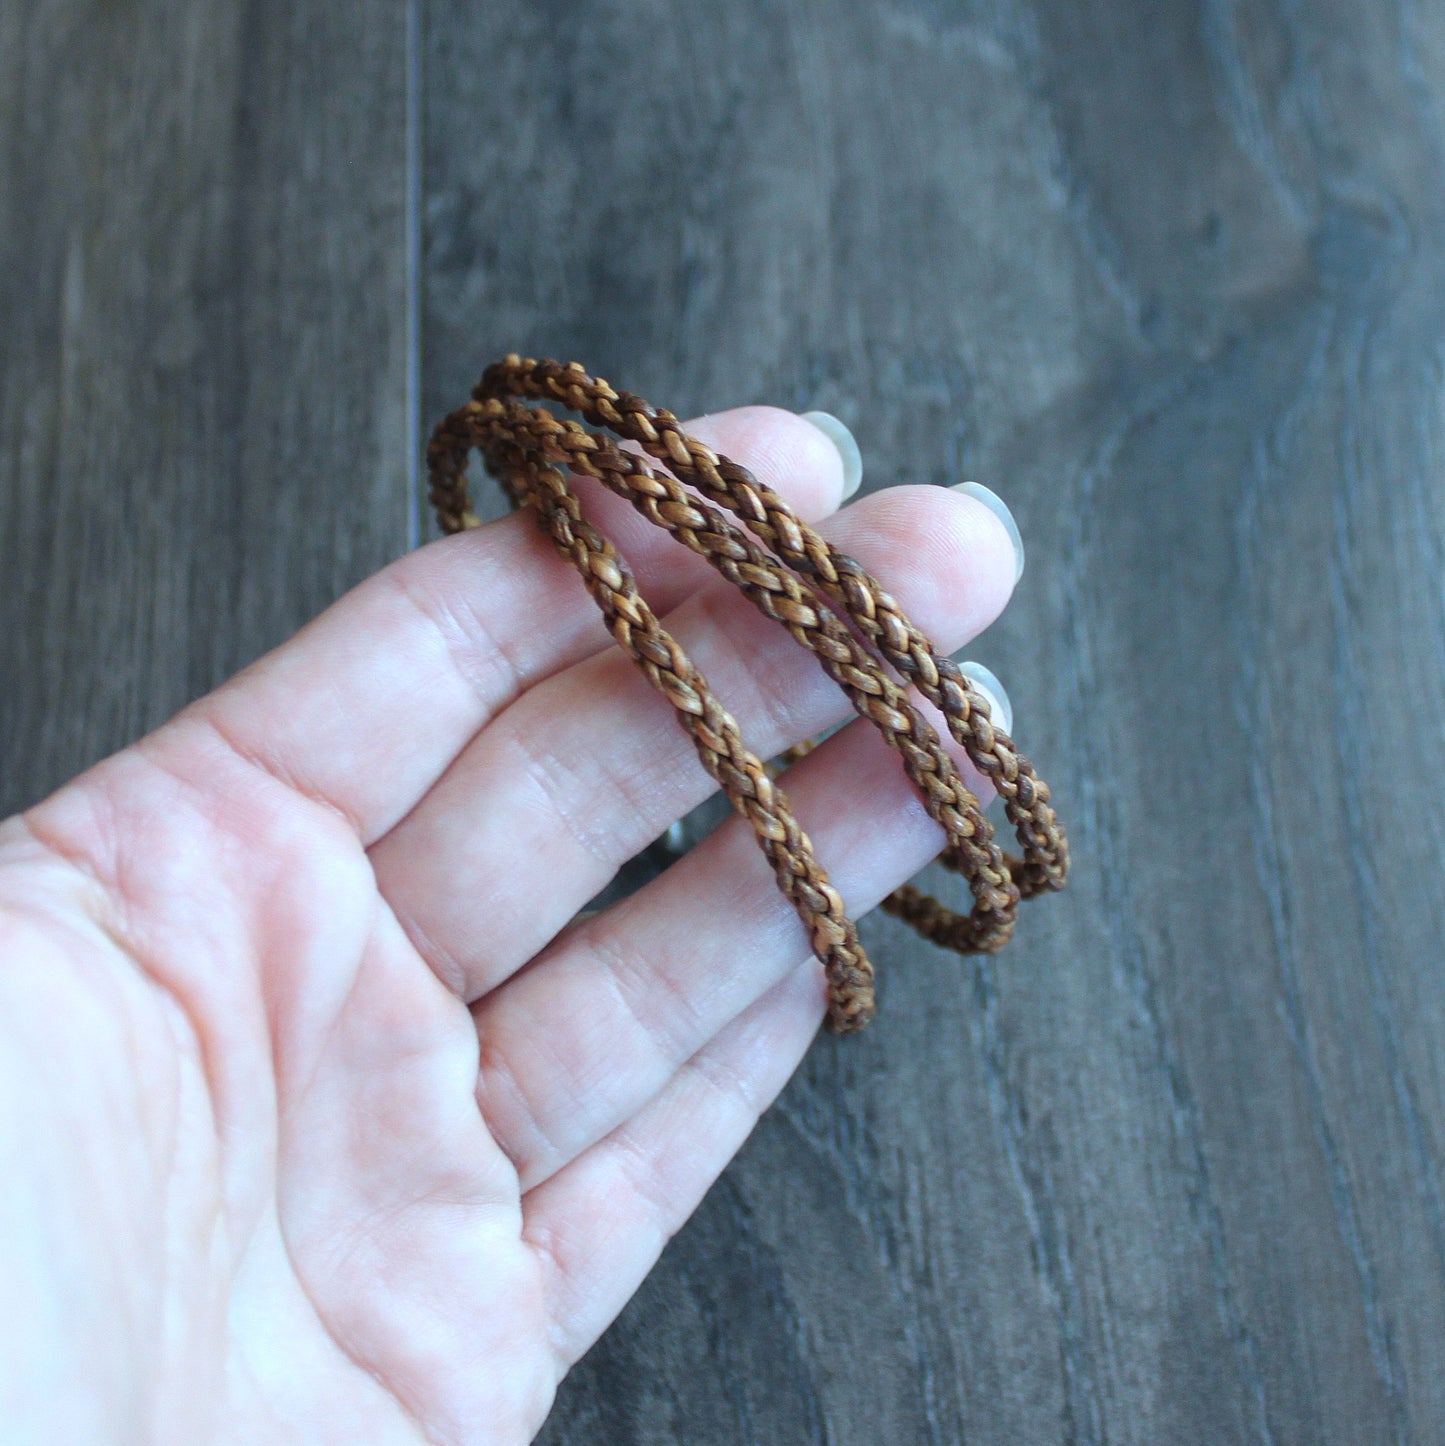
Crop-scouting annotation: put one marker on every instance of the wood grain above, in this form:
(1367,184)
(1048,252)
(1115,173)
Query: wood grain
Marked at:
(203,350)
(1171,277)
(1168,276)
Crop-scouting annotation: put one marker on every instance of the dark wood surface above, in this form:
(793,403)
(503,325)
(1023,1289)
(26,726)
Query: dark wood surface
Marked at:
(203,350)
(1171,277)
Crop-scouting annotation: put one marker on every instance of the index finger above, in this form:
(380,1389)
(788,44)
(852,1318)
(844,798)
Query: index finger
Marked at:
(367,705)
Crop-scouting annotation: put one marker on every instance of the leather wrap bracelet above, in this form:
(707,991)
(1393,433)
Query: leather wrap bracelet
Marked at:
(858,633)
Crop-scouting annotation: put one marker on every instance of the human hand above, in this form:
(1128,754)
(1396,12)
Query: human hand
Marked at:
(321,1120)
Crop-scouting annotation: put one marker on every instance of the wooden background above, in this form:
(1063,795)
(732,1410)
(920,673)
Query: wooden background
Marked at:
(1170,274)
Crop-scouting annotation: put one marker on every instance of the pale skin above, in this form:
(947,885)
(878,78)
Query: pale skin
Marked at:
(321,1119)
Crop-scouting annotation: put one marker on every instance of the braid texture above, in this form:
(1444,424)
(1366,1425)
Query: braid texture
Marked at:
(794,576)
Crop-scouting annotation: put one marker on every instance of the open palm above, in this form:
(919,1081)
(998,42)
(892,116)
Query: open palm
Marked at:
(322,1120)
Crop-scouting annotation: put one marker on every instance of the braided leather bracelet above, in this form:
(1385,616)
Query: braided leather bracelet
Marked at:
(790,573)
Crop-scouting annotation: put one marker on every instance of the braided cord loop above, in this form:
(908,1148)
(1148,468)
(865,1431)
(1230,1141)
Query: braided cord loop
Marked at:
(794,576)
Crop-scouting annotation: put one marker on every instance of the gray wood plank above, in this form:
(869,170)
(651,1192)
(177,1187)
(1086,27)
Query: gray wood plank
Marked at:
(1170,276)
(203,350)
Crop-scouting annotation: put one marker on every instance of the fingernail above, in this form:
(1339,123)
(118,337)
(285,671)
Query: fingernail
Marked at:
(847,446)
(999,508)
(1000,710)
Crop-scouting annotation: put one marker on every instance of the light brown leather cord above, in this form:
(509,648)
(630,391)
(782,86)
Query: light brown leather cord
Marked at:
(787,570)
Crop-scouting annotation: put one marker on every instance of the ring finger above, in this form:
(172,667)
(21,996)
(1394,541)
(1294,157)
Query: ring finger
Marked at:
(582,1040)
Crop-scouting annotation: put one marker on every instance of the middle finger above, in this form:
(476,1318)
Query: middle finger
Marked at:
(587,768)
